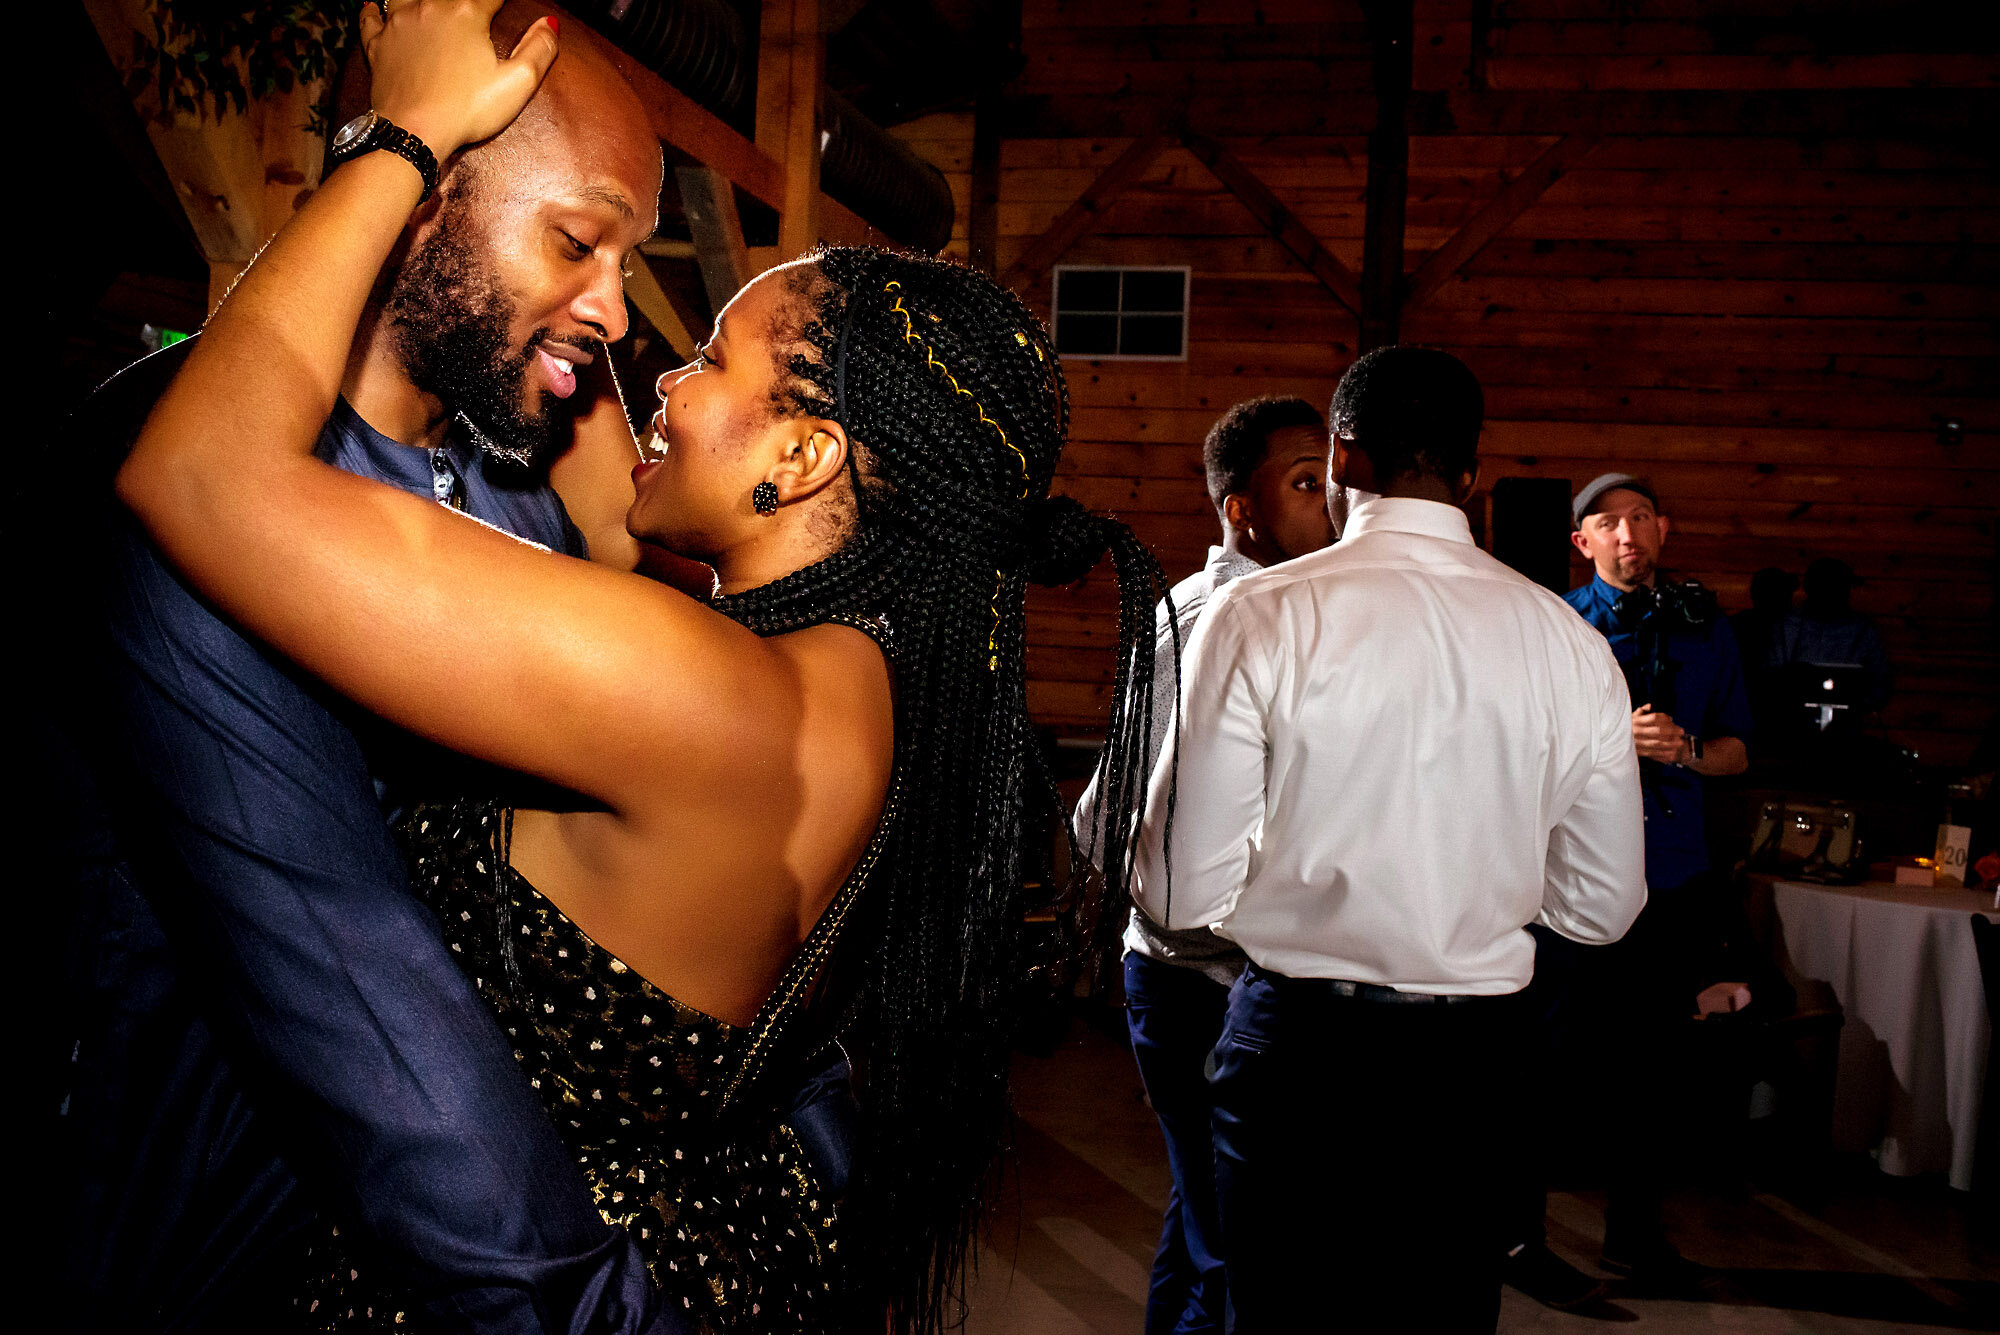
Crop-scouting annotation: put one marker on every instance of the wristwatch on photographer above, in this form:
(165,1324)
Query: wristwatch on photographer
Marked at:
(1694,752)
(372,130)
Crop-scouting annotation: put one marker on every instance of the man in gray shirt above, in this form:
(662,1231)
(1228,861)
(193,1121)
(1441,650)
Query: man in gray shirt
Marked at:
(1266,465)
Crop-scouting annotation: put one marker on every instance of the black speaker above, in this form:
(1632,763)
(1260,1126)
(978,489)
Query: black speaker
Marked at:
(1531,528)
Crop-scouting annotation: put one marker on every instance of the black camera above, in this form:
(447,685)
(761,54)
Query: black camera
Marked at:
(1654,614)
(1687,605)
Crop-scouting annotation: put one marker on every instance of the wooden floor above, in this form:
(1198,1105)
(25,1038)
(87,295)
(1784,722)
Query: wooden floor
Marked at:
(1071,1248)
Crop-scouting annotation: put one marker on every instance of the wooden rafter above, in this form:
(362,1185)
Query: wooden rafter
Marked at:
(984,219)
(664,313)
(1858,113)
(791,53)
(709,201)
(1496,217)
(1087,212)
(1392,35)
(1283,225)
(685,125)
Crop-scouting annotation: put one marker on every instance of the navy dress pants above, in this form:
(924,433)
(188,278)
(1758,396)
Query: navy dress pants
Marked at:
(1175,1015)
(1358,1142)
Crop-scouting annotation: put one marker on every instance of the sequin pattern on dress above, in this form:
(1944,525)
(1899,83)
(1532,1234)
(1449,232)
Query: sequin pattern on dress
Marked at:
(674,1116)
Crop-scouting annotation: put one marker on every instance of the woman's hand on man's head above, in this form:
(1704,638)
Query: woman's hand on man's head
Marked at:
(434,72)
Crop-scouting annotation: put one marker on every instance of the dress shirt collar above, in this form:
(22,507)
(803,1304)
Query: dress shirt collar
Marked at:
(1404,514)
(1224,565)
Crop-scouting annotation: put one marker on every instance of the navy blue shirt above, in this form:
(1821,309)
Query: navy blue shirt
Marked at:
(263,1002)
(1709,699)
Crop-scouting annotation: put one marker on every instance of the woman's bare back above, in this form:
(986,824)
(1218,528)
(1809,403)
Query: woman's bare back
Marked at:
(709,897)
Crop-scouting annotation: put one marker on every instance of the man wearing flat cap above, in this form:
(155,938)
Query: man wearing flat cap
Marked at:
(1677,653)
(1690,722)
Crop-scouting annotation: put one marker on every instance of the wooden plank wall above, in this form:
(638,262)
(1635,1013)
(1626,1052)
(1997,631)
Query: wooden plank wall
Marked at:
(1767,324)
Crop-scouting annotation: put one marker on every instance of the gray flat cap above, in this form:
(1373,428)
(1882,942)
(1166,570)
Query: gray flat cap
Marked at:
(1593,492)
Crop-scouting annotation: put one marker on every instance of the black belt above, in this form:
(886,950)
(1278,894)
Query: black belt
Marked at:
(1377,993)
(1373,993)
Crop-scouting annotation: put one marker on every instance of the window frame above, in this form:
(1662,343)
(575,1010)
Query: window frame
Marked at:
(1056,312)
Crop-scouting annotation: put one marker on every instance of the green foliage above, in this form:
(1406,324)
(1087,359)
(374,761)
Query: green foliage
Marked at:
(214,56)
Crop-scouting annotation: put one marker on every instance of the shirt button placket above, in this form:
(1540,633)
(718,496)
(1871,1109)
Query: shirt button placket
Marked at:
(445,486)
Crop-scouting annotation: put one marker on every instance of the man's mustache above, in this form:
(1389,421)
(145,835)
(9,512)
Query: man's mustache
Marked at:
(584,343)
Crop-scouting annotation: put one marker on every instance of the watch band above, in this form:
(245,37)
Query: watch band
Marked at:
(371,131)
(412,150)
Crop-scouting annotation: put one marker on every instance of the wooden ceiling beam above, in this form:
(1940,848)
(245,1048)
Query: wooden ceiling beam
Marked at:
(709,201)
(1087,212)
(1872,113)
(643,286)
(791,55)
(1917,113)
(1283,225)
(1391,31)
(983,212)
(690,129)
(1499,213)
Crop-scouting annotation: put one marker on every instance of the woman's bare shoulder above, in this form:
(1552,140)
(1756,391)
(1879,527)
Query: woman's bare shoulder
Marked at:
(841,664)
(846,699)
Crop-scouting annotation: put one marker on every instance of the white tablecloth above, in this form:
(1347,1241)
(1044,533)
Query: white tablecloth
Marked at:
(1914,1049)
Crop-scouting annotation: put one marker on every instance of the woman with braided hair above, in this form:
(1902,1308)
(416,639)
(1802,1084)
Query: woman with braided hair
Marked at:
(793,814)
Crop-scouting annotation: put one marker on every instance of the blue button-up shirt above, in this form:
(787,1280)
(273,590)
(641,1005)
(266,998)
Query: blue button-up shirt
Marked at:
(260,999)
(1709,700)
(455,473)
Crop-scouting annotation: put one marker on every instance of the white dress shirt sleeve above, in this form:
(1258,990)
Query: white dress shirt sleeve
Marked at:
(1220,803)
(1595,882)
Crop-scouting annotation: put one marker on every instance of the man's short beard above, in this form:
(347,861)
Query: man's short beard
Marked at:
(449,320)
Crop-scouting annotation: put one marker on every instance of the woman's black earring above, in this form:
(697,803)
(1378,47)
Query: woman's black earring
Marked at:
(764,496)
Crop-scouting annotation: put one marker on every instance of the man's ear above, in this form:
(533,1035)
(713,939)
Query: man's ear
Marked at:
(815,454)
(1582,543)
(1467,484)
(1236,512)
(1349,466)
(1664,523)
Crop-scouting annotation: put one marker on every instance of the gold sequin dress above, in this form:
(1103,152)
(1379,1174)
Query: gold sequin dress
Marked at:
(676,1117)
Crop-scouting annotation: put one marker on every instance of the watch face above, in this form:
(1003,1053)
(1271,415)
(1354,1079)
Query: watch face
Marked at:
(354,131)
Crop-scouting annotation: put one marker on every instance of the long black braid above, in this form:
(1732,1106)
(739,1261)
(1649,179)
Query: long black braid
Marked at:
(951,389)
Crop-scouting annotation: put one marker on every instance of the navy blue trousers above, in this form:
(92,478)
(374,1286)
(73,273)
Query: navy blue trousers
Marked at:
(1357,1153)
(1175,1015)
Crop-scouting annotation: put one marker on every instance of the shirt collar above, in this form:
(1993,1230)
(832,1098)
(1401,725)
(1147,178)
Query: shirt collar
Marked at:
(407,466)
(1404,514)
(1224,565)
(403,465)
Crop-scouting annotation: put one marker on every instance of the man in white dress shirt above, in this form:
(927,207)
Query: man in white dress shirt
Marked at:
(1265,461)
(1394,754)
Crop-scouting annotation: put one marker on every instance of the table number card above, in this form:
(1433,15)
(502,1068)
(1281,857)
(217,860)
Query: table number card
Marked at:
(1954,844)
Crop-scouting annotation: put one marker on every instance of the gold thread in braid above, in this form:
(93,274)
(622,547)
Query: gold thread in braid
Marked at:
(930,356)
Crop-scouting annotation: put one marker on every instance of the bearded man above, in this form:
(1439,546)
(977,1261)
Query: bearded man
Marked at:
(267,1024)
